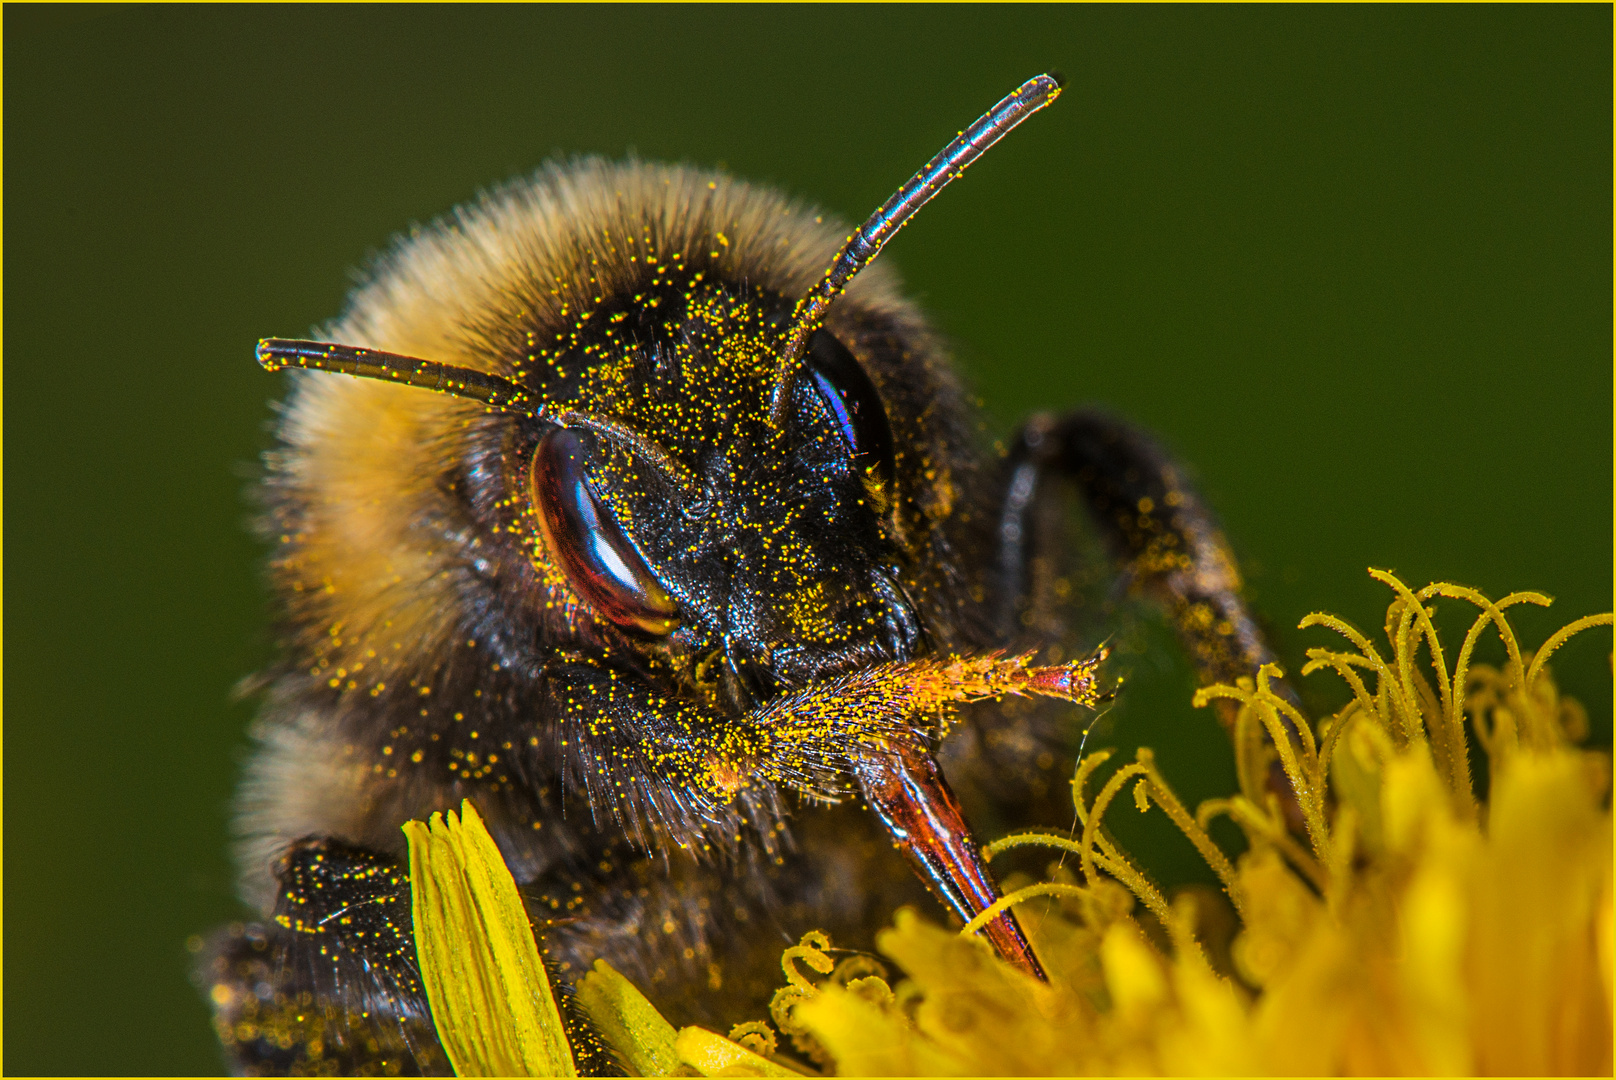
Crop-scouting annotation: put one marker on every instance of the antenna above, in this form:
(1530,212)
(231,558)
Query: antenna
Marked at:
(276,354)
(865,244)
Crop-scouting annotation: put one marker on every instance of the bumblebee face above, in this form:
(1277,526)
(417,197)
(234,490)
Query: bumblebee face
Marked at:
(642,501)
(757,557)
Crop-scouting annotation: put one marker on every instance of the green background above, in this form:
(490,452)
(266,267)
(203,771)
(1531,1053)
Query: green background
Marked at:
(1352,264)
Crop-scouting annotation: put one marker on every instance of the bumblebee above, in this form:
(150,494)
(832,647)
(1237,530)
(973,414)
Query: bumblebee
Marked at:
(678,578)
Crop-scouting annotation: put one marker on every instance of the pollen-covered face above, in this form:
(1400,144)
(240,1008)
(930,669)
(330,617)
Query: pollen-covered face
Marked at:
(762,555)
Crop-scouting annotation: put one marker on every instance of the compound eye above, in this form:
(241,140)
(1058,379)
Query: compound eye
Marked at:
(853,403)
(600,562)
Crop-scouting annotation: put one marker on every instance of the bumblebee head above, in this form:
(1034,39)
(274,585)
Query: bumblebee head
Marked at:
(670,444)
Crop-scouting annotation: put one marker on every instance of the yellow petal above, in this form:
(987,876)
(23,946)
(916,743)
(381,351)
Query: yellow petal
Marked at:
(1132,973)
(630,1024)
(710,1054)
(1435,927)
(866,1040)
(489,993)
(1540,1007)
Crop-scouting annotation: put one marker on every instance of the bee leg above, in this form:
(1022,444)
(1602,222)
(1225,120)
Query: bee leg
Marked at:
(1164,538)
(705,780)
(331,983)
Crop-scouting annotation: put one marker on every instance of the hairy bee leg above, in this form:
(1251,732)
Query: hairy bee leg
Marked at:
(678,763)
(685,767)
(1158,528)
(1163,536)
(331,983)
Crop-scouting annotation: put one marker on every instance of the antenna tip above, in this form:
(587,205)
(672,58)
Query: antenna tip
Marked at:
(266,356)
(1039,91)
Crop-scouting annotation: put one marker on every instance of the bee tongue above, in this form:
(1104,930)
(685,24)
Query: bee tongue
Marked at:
(907,791)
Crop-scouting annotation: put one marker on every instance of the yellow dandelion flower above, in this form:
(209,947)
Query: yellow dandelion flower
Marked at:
(1411,929)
